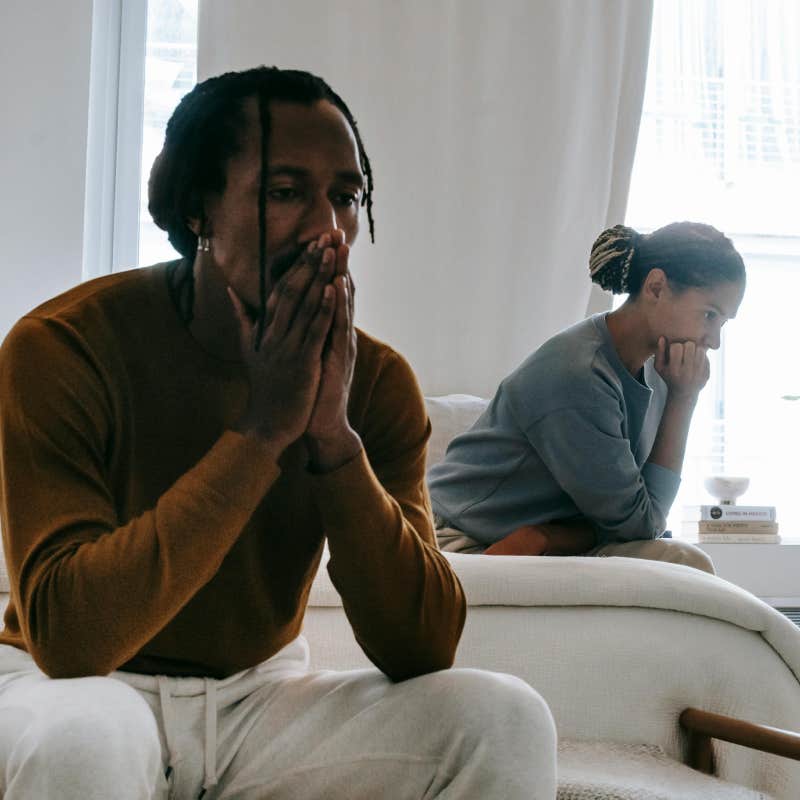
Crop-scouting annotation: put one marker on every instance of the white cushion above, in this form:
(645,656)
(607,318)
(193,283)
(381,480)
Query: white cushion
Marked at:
(450,415)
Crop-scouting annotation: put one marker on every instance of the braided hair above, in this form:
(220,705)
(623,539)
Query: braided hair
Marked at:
(691,254)
(202,134)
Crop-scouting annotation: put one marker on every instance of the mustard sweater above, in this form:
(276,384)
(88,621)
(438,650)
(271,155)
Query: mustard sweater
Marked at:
(142,534)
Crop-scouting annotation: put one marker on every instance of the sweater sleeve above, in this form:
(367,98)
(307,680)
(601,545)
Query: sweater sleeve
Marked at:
(587,454)
(400,594)
(74,565)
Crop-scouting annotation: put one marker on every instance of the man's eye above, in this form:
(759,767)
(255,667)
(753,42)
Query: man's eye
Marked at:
(282,193)
(348,199)
(711,315)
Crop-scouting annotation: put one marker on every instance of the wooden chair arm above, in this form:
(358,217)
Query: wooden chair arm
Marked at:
(702,726)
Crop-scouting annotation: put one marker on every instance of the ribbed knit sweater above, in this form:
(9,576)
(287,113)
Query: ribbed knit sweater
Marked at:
(142,533)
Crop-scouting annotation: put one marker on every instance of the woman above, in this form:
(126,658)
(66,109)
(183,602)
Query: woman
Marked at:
(581,448)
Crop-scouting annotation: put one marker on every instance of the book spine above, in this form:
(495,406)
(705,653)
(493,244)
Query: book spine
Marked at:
(738,538)
(730,526)
(733,513)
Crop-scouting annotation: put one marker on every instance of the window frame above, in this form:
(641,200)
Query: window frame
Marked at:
(114,137)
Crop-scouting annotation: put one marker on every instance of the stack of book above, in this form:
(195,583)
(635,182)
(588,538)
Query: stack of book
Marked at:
(731,524)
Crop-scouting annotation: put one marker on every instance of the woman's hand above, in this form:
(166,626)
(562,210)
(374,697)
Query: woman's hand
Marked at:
(569,537)
(684,367)
(529,540)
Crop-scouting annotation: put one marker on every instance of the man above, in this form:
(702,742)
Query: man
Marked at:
(177,444)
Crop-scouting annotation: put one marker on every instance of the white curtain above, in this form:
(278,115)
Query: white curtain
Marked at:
(502,137)
(720,131)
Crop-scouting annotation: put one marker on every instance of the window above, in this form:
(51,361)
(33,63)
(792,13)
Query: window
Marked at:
(170,72)
(720,143)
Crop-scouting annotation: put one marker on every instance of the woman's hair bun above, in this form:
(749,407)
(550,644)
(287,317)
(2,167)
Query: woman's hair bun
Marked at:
(611,256)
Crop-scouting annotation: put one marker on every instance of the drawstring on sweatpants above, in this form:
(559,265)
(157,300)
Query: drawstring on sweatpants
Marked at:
(167,711)
(210,744)
(210,777)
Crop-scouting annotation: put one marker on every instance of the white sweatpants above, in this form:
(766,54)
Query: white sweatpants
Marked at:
(275,731)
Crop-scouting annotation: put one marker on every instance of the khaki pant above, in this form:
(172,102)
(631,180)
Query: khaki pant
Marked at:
(274,732)
(674,551)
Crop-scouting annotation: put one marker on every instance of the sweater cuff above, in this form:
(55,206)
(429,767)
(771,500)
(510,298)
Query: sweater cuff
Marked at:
(350,494)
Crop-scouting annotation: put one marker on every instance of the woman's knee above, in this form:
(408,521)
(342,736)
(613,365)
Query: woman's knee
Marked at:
(691,555)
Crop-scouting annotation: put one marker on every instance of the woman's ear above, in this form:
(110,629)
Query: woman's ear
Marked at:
(655,284)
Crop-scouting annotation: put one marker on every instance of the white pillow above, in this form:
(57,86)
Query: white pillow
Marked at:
(450,415)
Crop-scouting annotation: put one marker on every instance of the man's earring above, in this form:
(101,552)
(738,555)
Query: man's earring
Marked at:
(204,244)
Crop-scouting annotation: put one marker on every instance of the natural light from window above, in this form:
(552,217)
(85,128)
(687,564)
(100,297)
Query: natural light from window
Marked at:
(170,72)
(720,143)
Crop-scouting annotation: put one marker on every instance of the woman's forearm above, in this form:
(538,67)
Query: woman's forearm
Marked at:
(670,444)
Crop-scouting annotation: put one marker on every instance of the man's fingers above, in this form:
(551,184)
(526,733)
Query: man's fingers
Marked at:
(342,259)
(290,292)
(245,325)
(341,319)
(321,324)
(307,310)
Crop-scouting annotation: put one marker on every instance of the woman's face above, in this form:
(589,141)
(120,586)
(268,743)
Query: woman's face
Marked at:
(695,314)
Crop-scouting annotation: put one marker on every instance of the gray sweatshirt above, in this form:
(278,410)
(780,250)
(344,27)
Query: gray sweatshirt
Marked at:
(567,435)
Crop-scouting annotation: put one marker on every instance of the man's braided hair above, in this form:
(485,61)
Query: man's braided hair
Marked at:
(202,134)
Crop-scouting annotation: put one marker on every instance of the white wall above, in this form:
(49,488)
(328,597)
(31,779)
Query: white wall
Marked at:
(44,83)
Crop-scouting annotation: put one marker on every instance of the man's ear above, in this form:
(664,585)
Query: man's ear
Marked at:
(197,221)
(655,284)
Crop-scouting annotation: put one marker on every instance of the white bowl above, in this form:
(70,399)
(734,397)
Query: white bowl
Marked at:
(726,488)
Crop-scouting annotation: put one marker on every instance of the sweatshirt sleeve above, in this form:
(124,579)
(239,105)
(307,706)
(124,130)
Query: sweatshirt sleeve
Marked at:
(74,565)
(587,454)
(400,594)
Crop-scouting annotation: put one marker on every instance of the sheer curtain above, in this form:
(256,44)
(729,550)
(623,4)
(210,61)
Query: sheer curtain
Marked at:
(720,143)
(502,138)
(720,137)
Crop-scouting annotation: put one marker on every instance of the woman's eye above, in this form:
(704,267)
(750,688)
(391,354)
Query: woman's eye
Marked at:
(348,199)
(711,315)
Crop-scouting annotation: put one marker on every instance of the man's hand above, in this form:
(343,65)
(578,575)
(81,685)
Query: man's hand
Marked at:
(683,366)
(284,369)
(331,440)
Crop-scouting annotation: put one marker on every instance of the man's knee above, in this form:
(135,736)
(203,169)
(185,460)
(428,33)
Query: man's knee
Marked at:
(492,704)
(96,734)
